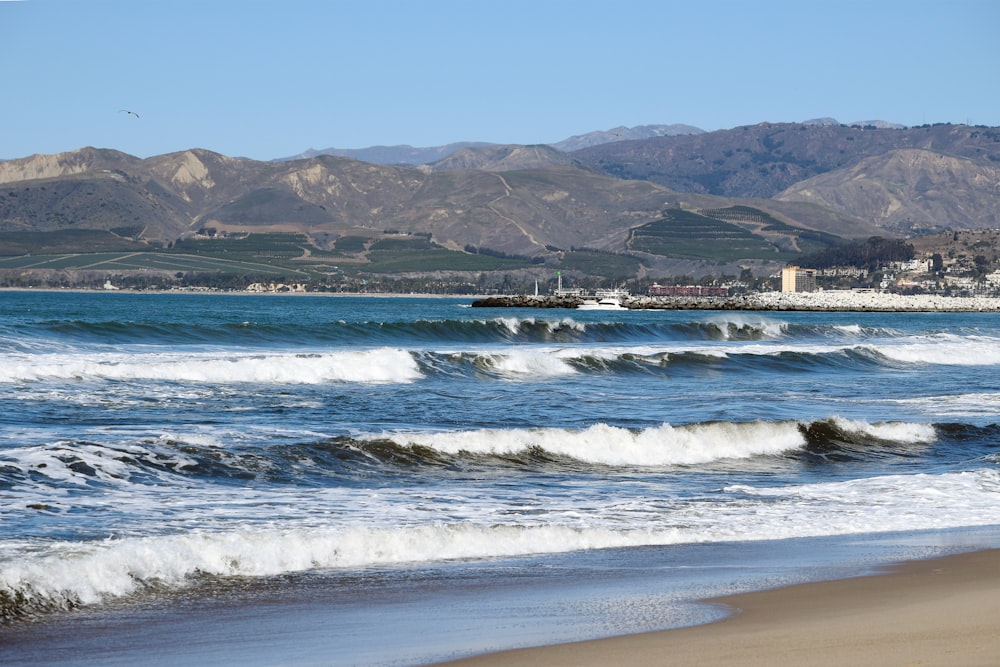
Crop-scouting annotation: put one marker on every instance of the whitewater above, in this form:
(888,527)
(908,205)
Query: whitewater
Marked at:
(157,447)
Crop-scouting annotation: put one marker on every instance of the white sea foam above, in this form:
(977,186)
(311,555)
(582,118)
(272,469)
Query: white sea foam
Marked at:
(513,324)
(531,364)
(383,365)
(566,323)
(947,349)
(79,463)
(770,328)
(900,432)
(976,404)
(892,502)
(210,440)
(91,572)
(611,445)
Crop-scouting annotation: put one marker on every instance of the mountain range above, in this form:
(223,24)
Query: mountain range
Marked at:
(414,156)
(605,191)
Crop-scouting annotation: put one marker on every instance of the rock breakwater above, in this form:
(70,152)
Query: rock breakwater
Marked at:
(829,301)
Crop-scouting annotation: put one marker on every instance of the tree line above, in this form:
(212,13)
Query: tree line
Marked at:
(871,253)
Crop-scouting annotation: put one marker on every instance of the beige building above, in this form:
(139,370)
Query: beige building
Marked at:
(797,279)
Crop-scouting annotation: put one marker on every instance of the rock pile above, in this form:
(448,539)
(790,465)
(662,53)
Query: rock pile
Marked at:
(829,301)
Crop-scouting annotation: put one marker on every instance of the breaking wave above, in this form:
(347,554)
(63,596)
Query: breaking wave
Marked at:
(383,365)
(69,575)
(615,446)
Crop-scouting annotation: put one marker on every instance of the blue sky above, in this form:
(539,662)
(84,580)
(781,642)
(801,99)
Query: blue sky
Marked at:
(272,79)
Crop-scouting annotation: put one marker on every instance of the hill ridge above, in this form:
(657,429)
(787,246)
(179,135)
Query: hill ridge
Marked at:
(532,201)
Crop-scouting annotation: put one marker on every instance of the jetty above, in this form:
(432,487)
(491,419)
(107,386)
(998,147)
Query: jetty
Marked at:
(825,301)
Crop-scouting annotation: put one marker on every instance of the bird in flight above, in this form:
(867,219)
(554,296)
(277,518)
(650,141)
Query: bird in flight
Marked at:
(128,112)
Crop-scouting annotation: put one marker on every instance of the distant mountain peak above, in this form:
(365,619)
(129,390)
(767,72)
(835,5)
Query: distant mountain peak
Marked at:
(622,133)
(502,157)
(400,154)
(821,121)
(404,154)
(880,124)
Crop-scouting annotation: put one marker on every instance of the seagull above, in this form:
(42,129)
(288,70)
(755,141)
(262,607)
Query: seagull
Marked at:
(128,112)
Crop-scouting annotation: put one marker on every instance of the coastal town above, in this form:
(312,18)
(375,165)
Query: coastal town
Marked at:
(910,286)
(800,291)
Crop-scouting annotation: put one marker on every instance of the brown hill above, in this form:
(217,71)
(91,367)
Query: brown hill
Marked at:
(908,191)
(502,158)
(761,161)
(518,211)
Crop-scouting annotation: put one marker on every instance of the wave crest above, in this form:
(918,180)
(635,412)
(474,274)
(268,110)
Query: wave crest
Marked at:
(611,445)
(380,365)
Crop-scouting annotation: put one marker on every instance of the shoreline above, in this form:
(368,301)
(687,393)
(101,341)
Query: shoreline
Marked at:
(215,292)
(826,301)
(485,613)
(943,610)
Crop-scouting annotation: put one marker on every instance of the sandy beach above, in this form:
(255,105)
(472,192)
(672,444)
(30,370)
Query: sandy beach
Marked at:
(944,611)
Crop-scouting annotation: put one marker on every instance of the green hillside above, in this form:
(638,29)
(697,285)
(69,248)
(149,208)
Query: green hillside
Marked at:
(681,233)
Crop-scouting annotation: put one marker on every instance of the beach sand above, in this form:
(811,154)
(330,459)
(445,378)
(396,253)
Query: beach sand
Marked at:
(944,611)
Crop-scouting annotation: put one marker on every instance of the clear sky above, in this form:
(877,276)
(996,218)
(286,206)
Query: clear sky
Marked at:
(269,79)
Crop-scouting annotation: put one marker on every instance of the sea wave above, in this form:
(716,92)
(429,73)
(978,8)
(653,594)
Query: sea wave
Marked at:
(63,575)
(382,365)
(944,349)
(667,445)
(736,327)
(544,362)
(510,363)
(42,474)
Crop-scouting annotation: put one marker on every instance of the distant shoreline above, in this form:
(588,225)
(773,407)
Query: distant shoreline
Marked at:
(218,292)
(826,301)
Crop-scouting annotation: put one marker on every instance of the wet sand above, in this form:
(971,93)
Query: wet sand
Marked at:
(944,611)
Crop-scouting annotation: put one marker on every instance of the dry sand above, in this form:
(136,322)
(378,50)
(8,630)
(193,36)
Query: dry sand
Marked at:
(944,611)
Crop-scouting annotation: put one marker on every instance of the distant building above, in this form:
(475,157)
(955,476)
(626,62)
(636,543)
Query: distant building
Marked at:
(922,265)
(276,287)
(797,279)
(843,271)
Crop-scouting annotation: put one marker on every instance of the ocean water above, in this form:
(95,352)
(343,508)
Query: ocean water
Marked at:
(163,453)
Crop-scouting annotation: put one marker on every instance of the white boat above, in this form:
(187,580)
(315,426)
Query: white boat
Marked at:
(607,303)
(606,300)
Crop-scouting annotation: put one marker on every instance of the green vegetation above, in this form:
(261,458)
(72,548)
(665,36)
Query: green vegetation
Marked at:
(683,233)
(808,240)
(63,241)
(351,244)
(437,259)
(614,267)
(253,255)
(264,245)
(870,254)
(141,261)
(397,244)
(743,214)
